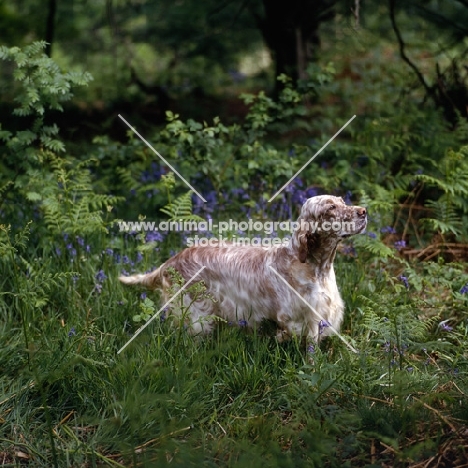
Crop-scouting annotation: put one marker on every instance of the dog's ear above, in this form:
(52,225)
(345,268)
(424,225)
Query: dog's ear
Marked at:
(303,250)
(307,243)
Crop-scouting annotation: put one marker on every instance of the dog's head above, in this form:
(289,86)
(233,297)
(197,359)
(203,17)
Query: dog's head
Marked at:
(324,221)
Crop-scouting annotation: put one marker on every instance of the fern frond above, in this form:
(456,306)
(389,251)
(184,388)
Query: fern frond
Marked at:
(181,209)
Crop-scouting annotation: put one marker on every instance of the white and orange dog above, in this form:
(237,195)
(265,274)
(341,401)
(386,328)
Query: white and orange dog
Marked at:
(294,285)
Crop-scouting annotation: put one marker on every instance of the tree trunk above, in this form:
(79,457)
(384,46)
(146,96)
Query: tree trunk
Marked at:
(290,31)
(50,26)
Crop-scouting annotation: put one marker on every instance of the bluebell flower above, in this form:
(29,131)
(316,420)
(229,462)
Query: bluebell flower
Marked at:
(311,192)
(322,325)
(71,250)
(101,276)
(388,230)
(299,197)
(404,280)
(154,236)
(464,290)
(409,369)
(349,250)
(125,259)
(372,235)
(139,257)
(400,244)
(143,296)
(109,251)
(125,273)
(347,197)
(88,249)
(311,349)
(445,327)
(72,332)
(58,252)
(80,241)
(242,323)
(98,287)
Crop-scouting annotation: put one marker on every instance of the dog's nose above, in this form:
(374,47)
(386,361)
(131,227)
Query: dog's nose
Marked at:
(361,212)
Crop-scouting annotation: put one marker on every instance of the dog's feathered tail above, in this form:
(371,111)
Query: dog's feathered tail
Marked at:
(149,280)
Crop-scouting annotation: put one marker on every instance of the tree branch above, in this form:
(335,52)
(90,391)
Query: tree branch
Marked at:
(429,90)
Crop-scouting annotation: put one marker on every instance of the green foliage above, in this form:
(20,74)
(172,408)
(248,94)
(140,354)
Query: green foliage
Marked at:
(181,209)
(452,180)
(44,85)
(147,308)
(234,398)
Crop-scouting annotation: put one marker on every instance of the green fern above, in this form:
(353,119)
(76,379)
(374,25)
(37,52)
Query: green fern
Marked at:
(181,209)
(452,180)
(68,201)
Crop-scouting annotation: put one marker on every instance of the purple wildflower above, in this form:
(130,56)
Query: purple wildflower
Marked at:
(154,236)
(347,197)
(58,252)
(388,230)
(72,332)
(372,235)
(80,241)
(143,296)
(242,323)
(71,249)
(139,257)
(101,276)
(349,250)
(322,325)
(400,244)
(311,349)
(464,290)
(404,280)
(446,327)
(109,251)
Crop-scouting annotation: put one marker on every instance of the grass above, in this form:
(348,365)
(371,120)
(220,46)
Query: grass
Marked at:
(236,398)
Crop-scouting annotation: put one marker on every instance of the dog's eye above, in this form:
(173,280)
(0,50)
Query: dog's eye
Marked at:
(332,207)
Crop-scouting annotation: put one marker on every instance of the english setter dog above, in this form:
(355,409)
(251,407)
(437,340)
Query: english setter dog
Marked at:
(294,285)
